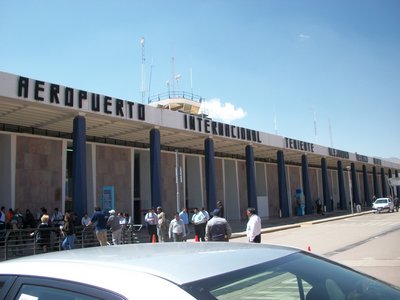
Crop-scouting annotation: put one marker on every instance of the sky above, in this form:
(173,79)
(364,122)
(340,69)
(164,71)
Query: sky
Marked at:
(320,71)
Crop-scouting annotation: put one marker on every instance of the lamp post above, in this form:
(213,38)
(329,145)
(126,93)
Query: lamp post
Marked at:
(350,192)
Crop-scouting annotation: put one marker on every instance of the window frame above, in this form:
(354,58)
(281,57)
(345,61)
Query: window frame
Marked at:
(12,289)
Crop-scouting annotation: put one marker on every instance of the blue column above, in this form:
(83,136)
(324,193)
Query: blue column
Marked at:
(251,178)
(79,185)
(396,174)
(367,195)
(306,185)
(383,182)
(325,185)
(155,168)
(342,193)
(283,196)
(354,182)
(210,174)
(376,185)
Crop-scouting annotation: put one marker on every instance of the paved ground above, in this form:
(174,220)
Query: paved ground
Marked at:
(275,224)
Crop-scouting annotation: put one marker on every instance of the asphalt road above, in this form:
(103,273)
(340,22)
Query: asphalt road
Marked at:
(369,243)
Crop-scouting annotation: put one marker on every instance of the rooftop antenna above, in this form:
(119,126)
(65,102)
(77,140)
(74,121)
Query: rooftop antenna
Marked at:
(173,74)
(330,132)
(143,61)
(151,72)
(191,80)
(177,78)
(275,123)
(315,125)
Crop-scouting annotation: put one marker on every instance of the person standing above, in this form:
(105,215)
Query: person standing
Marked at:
(220,206)
(99,219)
(199,220)
(177,230)
(116,227)
(184,216)
(151,220)
(218,229)
(205,213)
(162,225)
(253,230)
(85,219)
(68,230)
(3,218)
(57,218)
(42,235)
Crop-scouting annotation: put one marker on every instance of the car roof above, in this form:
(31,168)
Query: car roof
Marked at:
(176,262)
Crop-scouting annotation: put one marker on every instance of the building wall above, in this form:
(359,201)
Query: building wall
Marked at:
(242,182)
(168,178)
(7,197)
(113,168)
(194,179)
(38,173)
(232,207)
(39,167)
(334,187)
(294,174)
(273,190)
(312,176)
(219,182)
(261,190)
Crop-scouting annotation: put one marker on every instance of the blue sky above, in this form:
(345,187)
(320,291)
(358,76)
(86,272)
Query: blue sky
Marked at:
(285,67)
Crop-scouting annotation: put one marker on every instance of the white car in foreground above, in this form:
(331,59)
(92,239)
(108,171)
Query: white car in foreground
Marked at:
(382,204)
(212,270)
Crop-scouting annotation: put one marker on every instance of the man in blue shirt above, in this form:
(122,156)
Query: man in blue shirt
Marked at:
(100,221)
(184,216)
(199,220)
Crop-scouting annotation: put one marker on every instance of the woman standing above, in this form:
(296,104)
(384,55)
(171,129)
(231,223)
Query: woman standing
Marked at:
(69,232)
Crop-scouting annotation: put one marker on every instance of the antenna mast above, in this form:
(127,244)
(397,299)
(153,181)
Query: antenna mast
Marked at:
(151,72)
(315,125)
(173,74)
(143,62)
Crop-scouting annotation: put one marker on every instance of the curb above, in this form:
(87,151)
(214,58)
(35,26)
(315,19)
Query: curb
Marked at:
(306,223)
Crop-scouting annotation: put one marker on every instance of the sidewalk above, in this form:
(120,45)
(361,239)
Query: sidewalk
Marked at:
(276,224)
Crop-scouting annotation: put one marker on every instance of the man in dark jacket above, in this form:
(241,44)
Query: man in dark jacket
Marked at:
(218,229)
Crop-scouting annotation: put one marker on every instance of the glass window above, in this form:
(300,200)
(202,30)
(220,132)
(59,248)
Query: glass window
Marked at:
(265,285)
(37,292)
(296,276)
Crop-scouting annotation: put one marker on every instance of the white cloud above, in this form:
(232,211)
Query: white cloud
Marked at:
(225,112)
(303,37)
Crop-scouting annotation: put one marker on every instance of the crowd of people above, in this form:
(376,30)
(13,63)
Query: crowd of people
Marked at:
(207,227)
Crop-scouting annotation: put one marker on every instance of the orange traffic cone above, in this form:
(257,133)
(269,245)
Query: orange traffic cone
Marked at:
(196,238)
(153,239)
(309,248)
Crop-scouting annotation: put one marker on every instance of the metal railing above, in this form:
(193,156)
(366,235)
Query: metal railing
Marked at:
(23,242)
(175,94)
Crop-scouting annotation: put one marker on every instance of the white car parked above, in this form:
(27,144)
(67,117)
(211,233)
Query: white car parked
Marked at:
(382,204)
(214,270)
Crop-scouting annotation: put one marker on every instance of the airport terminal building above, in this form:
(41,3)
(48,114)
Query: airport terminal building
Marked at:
(74,149)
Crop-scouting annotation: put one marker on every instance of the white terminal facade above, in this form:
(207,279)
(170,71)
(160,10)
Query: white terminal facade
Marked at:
(73,149)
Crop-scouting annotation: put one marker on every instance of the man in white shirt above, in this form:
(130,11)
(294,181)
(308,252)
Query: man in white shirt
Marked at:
(151,220)
(177,229)
(253,229)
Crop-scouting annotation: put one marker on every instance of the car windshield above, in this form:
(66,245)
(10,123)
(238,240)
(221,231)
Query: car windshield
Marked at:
(297,276)
(381,201)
